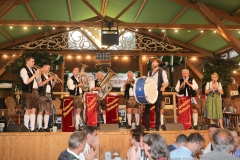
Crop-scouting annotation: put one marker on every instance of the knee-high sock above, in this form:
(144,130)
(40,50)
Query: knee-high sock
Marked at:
(137,119)
(104,119)
(26,120)
(46,120)
(32,121)
(39,121)
(77,120)
(162,122)
(129,117)
(195,119)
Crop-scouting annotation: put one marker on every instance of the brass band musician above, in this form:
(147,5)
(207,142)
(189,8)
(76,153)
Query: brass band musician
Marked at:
(74,87)
(46,84)
(131,103)
(96,87)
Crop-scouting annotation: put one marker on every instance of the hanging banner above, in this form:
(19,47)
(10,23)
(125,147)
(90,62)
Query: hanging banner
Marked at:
(152,117)
(111,102)
(185,112)
(68,114)
(91,109)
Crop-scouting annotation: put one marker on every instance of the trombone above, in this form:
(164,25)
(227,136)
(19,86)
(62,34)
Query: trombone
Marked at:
(58,80)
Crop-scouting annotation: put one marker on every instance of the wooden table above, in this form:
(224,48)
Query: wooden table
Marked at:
(235,116)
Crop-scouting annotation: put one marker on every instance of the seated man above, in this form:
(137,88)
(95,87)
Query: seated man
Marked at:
(223,145)
(92,142)
(211,130)
(235,134)
(76,145)
(180,141)
(192,147)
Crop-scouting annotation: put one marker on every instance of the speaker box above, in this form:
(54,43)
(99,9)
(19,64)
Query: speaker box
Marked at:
(110,38)
(17,128)
(109,128)
(174,126)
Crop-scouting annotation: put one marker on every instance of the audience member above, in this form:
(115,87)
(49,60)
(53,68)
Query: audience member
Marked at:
(143,157)
(180,141)
(155,147)
(76,145)
(134,153)
(223,145)
(212,128)
(235,134)
(92,142)
(192,147)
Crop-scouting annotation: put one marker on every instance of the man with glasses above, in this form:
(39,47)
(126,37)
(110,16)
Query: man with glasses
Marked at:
(193,146)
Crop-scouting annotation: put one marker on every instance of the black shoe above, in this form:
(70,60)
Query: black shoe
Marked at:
(195,127)
(128,127)
(47,130)
(163,127)
(41,130)
(33,130)
(147,129)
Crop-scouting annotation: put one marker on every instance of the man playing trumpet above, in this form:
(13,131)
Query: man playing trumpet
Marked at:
(131,103)
(29,80)
(74,87)
(46,84)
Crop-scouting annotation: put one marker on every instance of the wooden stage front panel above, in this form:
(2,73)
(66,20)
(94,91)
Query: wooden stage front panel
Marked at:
(48,146)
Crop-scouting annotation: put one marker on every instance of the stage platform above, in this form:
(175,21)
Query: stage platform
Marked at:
(48,145)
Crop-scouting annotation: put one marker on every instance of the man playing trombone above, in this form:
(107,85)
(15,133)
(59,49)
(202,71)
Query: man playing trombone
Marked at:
(30,96)
(74,87)
(131,103)
(47,82)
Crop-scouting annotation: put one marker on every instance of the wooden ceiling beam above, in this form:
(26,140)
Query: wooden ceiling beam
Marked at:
(123,11)
(93,9)
(198,36)
(237,11)
(139,11)
(224,49)
(222,29)
(31,11)
(104,7)
(69,9)
(194,69)
(178,15)
(177,42)
(117,53)
(42,23)
(5,34)
(217,12)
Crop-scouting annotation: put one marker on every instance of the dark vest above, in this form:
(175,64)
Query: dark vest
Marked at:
(28,88)
(76,90)
(126,92)
(191,92)
(160,78)
(42,89)
(97,83)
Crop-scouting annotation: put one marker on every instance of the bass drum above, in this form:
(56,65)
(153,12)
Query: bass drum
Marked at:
(145,90)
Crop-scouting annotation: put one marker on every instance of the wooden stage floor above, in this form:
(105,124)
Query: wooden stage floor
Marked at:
(48,145)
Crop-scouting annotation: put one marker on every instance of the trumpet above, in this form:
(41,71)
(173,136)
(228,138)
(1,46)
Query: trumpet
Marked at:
(131,81)
(58,80)
(37,67)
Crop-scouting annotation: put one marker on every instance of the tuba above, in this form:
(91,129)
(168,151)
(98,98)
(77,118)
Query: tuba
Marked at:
(83,79)
(105,85)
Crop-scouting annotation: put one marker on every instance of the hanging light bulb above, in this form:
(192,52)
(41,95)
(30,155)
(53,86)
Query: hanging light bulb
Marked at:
(149,30)
(201,31)
(25,27)
(11,27)
(176,30)
(39,28)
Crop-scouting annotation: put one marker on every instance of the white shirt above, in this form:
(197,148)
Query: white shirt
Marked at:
(130,90)
(155,77)
(24,76)
(71,86)
(86,149)
(69,151)
(209,85)
(194,86)
(208,148)
(48,87)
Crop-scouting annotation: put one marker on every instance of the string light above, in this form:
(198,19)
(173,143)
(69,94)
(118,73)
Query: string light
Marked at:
(81,28)
(25,27)
(78,57)
(149,30)
(95,28)
(123,29)
(189,31)
(67,28)
(201,31)
(125,57)
(163,30)
(88,57)
(39,28)
(176,30)
(11,27)
(136,29)
(116,57)
(234,72)
(53,28)
(214,31)
(69,56)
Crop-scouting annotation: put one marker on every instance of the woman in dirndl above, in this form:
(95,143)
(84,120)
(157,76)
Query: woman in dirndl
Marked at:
(214,91)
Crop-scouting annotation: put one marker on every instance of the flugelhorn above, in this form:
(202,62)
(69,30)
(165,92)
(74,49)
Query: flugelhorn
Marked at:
(58,80)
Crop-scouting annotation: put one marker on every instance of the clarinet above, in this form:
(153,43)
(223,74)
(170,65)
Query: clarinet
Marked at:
(213,89)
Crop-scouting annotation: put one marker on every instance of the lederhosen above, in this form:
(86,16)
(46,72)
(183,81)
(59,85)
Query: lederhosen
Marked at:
(157,103)
(130,100)
(45,99)
(78,100)
(101,103)
(30,95)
